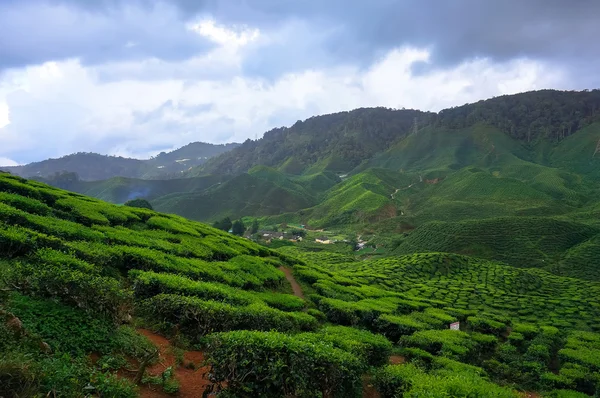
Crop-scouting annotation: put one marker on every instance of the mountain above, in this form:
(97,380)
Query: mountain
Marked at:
(248,193)
(336,142)
(390,171)
(341,141)
(93,166)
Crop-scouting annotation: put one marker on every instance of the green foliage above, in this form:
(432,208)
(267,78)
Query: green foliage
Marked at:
(75,287)
(486,325)
(224,224)
(141,203)
(196,317)
(271,364)
(238,228)
(409,380)
(370,348)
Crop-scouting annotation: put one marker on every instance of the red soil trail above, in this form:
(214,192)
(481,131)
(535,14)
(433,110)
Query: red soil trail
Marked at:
(397,360)
(369,390)
(290,278)
(192,382)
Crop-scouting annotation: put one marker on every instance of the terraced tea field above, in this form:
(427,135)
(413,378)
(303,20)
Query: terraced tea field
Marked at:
(78,277)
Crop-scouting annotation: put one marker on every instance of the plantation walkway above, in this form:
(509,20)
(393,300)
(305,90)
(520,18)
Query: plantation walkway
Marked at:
(290,278)
(192,382)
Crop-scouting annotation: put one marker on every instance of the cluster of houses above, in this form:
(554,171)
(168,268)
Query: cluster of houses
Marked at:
(268,236)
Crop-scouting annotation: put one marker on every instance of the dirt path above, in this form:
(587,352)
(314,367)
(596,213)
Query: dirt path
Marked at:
(290,278)
(192,382)
(397,360)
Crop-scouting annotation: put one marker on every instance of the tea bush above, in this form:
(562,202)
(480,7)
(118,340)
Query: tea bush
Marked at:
(196,317)
(271,364)
(409,380)
(373,349)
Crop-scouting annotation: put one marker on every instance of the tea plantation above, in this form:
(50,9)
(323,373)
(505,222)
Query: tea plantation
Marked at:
(80,277)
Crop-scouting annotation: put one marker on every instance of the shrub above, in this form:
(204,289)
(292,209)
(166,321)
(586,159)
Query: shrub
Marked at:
(408,380)
(271,364)
(197,318)
(141,203)
(284,302)
(486,325)
(450,343)
(363,312)
(394,326)
(17,241)
(394,381)
(17,379)
(80,289)
(371,348)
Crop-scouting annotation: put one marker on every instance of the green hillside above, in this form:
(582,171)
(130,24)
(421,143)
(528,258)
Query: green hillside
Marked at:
(85,282)
(519,327)
(121,189)
(240,196)
(529,154)
(94,167)
(336,142)
(533,242)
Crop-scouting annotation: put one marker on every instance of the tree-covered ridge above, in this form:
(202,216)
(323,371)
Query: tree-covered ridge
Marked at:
(341,141)
(89,166)
(545,114)
(336,142)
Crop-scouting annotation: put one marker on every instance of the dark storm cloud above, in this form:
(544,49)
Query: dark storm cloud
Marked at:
(33,32)
(560,31)
(329,32)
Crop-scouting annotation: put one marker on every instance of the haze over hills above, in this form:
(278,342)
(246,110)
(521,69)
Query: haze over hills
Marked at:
(93,166)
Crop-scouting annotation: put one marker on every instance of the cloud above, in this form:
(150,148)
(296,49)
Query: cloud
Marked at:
(75,110)
(7,162)
(35,32)
(137,76)
(316,33)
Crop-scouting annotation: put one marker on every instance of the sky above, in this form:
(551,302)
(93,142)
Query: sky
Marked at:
(136,77)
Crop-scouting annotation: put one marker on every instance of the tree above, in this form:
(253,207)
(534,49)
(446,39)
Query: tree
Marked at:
(254,227)
(142,203)
(238,228)
(224,224)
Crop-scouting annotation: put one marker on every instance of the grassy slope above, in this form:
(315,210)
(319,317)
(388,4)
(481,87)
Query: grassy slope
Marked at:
(410,295)
(185,276)
(84,265)
(242,195)
(120,189)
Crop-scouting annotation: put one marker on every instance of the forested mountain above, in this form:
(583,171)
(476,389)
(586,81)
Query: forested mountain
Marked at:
(93,166)
(336,142)
(88,166)
(341,141)
(527,154)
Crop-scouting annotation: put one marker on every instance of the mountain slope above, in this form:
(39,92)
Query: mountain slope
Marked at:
(93,167)
(120,189)
(240,196)
(338,142)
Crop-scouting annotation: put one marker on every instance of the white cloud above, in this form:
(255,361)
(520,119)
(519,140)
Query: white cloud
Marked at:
(235,36)
(4,114)
(7,162)
(62,107)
